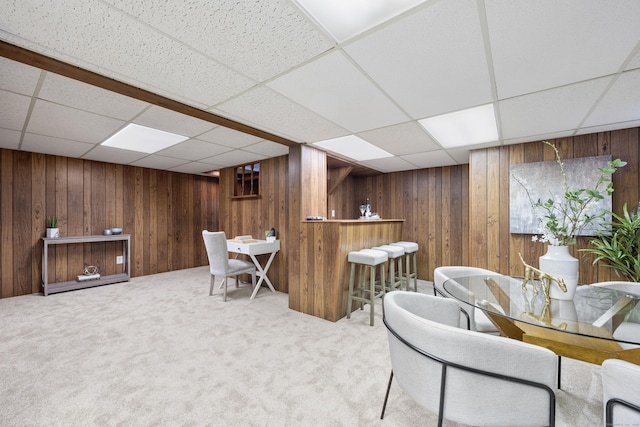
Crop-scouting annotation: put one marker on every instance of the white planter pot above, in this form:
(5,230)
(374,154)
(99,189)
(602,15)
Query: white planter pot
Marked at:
(53,233)
(559,263)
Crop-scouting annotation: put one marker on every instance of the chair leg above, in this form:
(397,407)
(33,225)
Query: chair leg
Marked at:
(224,299)
(372,287)
(559,370)
(213,280)
(352,276)
(386,396)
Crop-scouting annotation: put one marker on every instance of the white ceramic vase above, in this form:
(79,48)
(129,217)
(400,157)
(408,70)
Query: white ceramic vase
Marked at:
(560,263)
(53,233)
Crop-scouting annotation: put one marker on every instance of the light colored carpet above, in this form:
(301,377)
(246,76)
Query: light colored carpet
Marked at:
(159,351)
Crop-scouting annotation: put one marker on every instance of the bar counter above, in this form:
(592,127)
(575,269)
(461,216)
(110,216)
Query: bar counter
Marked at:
(324,285)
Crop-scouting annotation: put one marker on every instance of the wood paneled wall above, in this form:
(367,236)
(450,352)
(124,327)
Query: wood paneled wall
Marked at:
(491,244)
(165,213)
(433,203)
(256,215)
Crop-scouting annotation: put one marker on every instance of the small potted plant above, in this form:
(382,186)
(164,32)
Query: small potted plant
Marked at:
(52,227)
(619,244)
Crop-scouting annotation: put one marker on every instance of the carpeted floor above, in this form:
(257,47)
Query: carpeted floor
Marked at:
(159,351)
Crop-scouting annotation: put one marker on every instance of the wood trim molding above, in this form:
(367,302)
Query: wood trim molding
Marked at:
(46,63)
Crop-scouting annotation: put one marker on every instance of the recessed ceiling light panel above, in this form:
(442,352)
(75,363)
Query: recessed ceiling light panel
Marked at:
(143,139)
(344,19)
(353,147)
(467,127)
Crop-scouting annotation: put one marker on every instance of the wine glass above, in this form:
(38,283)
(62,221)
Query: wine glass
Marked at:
(362,209)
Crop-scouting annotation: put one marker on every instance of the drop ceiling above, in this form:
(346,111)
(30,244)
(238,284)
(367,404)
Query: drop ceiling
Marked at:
(271,76)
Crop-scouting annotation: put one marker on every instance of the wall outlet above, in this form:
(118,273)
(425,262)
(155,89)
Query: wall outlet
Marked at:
(333,213)
(119,260)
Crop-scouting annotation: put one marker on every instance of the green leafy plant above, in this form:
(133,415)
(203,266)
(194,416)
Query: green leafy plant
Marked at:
(619,245)
(563,217)
(52,221)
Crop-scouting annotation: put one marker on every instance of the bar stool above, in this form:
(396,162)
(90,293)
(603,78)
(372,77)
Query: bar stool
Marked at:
(410,248)
(367,260)
(395,254)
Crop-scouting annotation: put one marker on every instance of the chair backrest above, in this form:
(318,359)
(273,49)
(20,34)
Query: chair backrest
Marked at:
(476,391)
(216,244)
(444,273)
(631,287)
(621,392)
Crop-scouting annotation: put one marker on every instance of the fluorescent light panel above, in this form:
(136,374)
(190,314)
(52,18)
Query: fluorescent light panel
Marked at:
(353,147)
(347,18)
(143,139)
(467,127)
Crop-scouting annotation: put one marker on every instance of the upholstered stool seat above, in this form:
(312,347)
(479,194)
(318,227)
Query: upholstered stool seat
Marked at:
(394,276)
(410,252)
(367,260)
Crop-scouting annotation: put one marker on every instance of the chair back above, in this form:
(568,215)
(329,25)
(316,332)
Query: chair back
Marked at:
(216,244)
(476,321)
(631,287)
(466,376)
(621,392)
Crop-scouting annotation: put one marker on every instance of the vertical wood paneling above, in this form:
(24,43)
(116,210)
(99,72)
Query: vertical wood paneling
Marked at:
(38,217)
(6,223)
(75,217)
(87,197)
(22,242)
(60,209)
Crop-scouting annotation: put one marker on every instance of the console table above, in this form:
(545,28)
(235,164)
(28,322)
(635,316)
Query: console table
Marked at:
(125,276)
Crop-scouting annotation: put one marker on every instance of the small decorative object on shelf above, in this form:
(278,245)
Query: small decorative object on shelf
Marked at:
(52,227)
(270,235)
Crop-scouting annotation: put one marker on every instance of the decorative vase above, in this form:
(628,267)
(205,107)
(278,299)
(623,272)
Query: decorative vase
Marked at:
(53,233)
(559,263)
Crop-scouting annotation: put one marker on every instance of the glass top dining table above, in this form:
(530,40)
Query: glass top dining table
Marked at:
(599,323)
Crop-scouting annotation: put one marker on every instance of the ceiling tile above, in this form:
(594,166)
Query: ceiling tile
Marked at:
(430,62)
(554,110)
(543,44)
(194,168)
(193,149)
(14,110)
(169,121)
(82,96)
(268,148)
(54,146)
(235,157)
(268,110)
(608,127)
(64,122)
(258,39)
(430,159)
(332,87)
(136,54)
(621,103)
(155,161)
(17,77)
(390,164)
(634,62)
(10,138)
(539,137)
(229,137)
(405,138)
(113,155)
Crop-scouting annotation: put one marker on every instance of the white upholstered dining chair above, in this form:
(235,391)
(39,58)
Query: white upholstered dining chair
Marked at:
(477,320)
(221,265)
(621,393)
(465,376)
